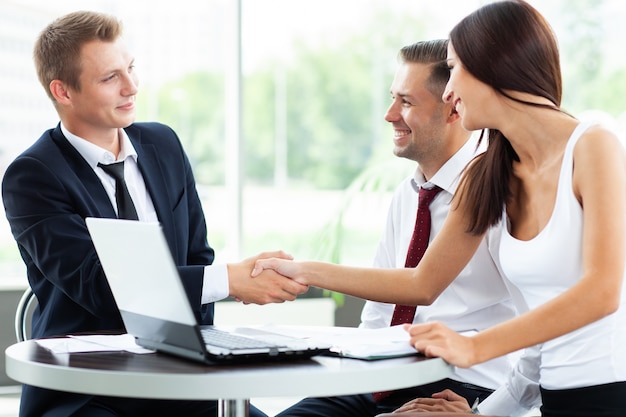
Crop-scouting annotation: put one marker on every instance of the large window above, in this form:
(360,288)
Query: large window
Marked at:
(316,163)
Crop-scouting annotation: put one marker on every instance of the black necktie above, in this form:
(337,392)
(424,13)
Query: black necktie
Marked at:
(125,206)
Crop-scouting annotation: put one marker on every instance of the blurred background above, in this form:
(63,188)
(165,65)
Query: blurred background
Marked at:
(280,104)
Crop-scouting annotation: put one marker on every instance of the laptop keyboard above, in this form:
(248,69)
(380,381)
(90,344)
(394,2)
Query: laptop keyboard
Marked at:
(228,340)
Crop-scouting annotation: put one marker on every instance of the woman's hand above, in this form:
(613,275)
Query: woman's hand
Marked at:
(283,267)
(268,287)
(437,340)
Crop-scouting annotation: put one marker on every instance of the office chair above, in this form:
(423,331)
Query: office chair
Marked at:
(25,307)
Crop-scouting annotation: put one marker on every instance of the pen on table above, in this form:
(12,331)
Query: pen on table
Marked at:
(475,406)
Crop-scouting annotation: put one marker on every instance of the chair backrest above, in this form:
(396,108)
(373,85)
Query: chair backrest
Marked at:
(23,315)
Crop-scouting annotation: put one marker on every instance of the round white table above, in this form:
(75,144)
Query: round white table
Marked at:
(162,376)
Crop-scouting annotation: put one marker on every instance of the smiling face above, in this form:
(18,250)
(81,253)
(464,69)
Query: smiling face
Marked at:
(417,115)
(471,98)
(105,101)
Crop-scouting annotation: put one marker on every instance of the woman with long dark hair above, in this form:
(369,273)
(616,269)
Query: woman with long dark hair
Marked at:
(550,195)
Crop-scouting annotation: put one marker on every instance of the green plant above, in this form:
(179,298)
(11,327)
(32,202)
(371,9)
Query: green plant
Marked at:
(380,178)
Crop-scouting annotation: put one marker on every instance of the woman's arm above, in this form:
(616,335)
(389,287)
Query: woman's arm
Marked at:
(444,259)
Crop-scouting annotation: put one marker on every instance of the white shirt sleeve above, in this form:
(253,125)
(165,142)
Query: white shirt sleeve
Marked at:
(215,284)
(377,315)
(521,391)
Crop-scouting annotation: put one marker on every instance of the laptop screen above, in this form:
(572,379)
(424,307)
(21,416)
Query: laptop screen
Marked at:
(138,264)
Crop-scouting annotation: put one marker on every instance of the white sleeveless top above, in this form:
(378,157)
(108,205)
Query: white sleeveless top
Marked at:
(549,264)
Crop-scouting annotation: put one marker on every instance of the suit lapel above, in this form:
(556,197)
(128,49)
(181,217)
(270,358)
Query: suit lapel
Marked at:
(153,176)
(85,176)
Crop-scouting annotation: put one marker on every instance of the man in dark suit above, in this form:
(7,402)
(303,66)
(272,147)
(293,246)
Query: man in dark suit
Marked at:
(51,188)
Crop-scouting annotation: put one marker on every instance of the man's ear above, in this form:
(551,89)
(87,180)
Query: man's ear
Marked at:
(60,92)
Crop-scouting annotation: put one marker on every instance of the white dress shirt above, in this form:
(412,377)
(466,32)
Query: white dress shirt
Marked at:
(475,300)
(520,393)
(215,283)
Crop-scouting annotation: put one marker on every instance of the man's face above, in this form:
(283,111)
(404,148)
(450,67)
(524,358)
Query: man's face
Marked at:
(108,85)
(418,117)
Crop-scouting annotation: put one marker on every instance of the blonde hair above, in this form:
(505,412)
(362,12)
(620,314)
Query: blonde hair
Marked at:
(57,50)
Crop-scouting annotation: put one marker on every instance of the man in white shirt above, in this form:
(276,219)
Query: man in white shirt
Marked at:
(428,131)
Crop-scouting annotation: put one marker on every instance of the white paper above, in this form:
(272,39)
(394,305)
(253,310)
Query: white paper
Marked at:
(93,343)
(354,342)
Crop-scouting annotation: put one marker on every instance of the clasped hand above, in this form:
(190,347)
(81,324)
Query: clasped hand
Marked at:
(446,400)
(281,265)
(264,286)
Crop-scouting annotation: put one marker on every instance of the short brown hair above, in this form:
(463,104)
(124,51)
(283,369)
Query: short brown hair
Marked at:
(57,50)
(433,52)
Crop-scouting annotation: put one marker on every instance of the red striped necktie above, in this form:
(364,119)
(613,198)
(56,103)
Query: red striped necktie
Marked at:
(419,242)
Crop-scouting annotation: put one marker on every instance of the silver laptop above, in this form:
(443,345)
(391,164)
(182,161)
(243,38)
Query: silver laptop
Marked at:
(155,308)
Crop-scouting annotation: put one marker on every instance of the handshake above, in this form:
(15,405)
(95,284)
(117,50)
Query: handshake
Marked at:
(270,277)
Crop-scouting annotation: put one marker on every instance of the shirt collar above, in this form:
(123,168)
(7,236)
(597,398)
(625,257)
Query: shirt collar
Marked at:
(94,154)
(447,177)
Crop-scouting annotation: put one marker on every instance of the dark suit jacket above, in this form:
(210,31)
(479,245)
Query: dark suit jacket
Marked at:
(47,193)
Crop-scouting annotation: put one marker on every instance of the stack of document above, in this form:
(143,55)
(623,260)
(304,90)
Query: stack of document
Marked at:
(351,342)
